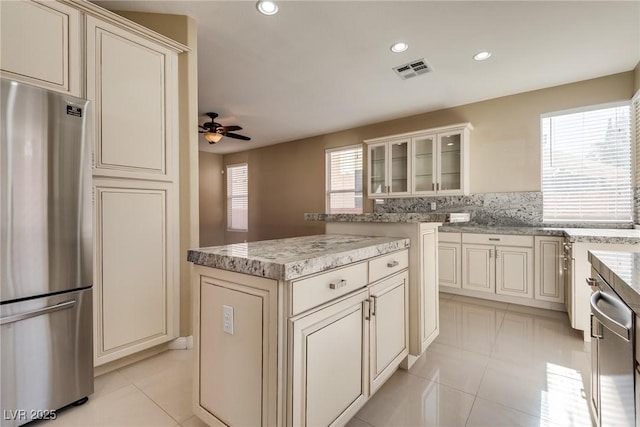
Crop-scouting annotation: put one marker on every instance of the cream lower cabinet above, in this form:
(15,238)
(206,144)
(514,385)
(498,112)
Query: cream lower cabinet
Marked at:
(136,301)
(40,44)
(549,269)
(286,363)
(424,319)
(450,260)
(498,264)
(330,351)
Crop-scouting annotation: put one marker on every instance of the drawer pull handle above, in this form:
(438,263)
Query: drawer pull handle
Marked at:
(337,285)
(392,264)
(494,239)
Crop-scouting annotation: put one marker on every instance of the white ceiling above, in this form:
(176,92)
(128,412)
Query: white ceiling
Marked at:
(323,66)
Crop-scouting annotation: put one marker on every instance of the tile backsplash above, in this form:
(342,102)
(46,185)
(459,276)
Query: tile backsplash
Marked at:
(517,209)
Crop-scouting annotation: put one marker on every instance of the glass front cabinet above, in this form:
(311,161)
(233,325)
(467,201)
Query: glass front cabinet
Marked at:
(389,168)
(423,163)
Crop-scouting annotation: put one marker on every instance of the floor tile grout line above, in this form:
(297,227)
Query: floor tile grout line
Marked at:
(157,404)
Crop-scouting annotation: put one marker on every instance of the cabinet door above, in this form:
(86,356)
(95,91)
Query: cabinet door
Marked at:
(549,269)
(424,164)
(132,83)
(329,376)
(40,44)
(235,389)
(449,264)
(478,268)
(136,273)
(399,167)
(378,169)
(389,327)
(430,314)
(514,271)
(450,169)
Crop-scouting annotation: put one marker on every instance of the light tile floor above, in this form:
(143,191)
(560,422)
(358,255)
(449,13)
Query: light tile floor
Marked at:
(494,364)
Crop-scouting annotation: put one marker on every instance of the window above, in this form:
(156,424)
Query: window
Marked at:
(344,180)
(586,165)
(237,197)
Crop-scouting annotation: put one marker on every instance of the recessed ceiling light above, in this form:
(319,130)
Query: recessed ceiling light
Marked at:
(399,47)
(481,56)
(267,7)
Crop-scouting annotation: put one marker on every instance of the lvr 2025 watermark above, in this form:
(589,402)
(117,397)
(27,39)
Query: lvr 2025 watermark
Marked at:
(31,414)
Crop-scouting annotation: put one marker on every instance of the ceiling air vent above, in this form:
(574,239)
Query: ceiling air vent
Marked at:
(412,69)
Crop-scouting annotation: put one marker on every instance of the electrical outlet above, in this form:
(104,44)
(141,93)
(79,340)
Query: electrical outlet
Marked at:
(433,206)
(227,319)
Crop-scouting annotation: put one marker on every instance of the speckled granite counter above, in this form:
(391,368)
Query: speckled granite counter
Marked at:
(622,271)
(379,217)
(573,235)
(286,259)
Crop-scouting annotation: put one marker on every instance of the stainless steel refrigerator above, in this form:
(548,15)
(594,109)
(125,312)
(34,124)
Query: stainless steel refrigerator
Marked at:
(46,259)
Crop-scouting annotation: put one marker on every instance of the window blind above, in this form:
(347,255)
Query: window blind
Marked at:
(344,180)
(238,197)
(635,105)
(587,165)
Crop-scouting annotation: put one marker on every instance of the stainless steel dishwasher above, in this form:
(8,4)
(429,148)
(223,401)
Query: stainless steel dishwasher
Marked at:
(612,358)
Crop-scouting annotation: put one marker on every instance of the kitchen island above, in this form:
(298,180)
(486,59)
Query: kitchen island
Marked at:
(422,229)
(298,331)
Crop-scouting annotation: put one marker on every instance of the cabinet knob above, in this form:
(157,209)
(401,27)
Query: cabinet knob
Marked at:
(337,285)
(392,264)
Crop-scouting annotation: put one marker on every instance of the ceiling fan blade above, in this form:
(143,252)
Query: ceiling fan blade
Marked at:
(202,127)
(230,128)
(236,136)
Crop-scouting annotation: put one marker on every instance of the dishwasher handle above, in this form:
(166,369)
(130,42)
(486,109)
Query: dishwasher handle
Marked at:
(622,330)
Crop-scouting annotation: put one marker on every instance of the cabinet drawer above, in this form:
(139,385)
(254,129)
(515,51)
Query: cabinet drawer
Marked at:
(388,264)
(449,237)
(316,290)
(497,239)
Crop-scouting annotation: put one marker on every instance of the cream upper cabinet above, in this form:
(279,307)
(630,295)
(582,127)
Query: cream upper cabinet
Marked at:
(427,162)
(40,44)
(132,83)
(440,162)
(389,165)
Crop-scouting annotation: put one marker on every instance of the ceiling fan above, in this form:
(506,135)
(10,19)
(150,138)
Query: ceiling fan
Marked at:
(213,132)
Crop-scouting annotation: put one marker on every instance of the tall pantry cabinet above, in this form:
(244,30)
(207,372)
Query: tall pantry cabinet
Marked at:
(132,83)
(130,75)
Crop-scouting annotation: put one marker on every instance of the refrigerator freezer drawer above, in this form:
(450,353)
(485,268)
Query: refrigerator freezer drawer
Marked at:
(46,355)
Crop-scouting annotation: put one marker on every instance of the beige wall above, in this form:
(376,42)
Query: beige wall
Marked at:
(287,180)
(212,220)
(183,29)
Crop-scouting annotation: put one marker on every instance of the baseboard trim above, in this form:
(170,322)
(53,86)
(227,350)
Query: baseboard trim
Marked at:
(181,343)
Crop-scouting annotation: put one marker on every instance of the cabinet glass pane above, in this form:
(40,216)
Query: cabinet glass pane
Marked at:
(423,163)
(450,159)
(399,170)
(378,170)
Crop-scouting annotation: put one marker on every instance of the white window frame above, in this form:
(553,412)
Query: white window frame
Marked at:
(328,190)
(231,196)
(547,219)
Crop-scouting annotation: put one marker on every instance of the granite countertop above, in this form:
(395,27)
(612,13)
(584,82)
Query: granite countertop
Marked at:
(291,258)
(573,235)
(621,270)
(379,217)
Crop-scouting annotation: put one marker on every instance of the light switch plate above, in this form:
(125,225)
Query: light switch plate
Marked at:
(433,206)
(227,319)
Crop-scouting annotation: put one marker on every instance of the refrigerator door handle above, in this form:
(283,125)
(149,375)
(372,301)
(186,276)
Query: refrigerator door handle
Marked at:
(38,312)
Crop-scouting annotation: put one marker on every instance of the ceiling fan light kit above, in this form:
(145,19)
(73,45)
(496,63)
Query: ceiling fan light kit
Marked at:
(213,132)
